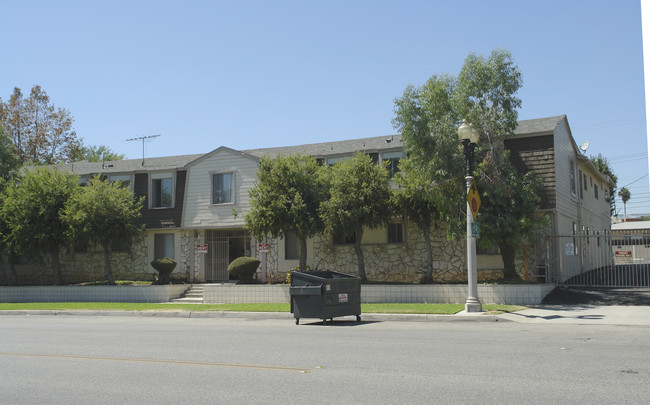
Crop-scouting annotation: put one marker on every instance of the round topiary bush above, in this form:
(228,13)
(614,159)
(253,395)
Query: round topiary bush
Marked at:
(244,268)
(164,267)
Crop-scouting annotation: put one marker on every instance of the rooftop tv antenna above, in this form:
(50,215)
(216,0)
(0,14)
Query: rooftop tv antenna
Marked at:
(143,138)
(584,147)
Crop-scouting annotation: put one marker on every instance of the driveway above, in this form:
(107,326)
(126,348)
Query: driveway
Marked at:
(599,296)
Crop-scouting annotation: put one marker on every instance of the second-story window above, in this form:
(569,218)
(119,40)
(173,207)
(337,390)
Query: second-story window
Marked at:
(222,188)
(572,174)
(162,190)
(391,161)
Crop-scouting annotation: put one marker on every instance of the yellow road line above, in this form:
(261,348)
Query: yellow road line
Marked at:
(135,360)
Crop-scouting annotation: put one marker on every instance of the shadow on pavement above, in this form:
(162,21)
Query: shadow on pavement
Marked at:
(598,296)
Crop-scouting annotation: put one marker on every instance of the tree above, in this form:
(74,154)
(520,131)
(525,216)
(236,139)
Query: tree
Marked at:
(416,200)
(433,171)
(8,166)
(602,164)
(484,93)
(8,159)
(486,97)
(97,154)
(359,197)
(41,133)
(625,195)
(509,207)
(31,210)
(103,213)
(287,198)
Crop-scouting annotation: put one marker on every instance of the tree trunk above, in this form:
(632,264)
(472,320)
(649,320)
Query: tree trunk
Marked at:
(302,263)
(107,265)
(56,266)
(426,230)
(357,250)
(508,257)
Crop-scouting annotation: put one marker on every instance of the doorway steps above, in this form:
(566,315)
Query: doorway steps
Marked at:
(193,295)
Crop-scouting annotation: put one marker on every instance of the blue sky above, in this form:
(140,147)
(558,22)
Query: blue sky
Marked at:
(249,74)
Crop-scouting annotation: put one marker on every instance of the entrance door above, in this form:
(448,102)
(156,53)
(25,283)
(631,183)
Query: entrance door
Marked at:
(223,248)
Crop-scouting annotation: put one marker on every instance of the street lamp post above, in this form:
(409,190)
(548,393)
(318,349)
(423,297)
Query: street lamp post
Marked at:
(468,136)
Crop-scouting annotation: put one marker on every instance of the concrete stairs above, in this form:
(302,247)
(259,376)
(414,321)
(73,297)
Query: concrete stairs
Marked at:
(193,295)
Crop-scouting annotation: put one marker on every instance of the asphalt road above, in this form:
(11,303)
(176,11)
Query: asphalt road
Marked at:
(135,360)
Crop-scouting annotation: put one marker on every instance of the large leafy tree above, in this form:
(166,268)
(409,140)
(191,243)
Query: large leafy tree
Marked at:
(484,93)
(509,210)
(359,198)
(41,132)
(8,166)
(8,159)
(433,171)
(31,210)
(97,153)
(416,199)
(486,97)
(105,214)
(603,166)
(287,198)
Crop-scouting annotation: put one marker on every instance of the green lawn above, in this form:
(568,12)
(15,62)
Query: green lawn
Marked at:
(365,308)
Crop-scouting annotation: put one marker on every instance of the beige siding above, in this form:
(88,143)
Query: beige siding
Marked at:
(566,202)
(199,210)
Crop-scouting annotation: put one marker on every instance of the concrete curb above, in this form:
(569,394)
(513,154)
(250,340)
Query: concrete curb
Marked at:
(369,317)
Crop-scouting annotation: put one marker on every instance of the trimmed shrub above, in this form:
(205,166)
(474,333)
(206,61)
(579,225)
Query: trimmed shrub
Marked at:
(244,268)
(164,267)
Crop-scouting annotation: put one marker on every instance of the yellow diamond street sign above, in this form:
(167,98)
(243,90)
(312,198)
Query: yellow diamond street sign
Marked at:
(473,199)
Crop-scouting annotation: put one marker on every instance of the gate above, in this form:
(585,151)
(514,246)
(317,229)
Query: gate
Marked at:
(223,248)
(598,259)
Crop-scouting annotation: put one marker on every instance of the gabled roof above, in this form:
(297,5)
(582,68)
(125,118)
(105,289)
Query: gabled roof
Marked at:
(128,165)
(538,125)
(219,150)
(373,144)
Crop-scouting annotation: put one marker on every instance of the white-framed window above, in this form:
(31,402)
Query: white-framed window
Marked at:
(163,245)
(396,233)
(162,190)
(223,188)
(391,161)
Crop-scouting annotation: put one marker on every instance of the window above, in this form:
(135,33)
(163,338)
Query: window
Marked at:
(124,180)
(333,161)
(341,238)
(162,191)
(585,180)
(163,245)
(291,246)
(580,178)
(575,245)
(396,233)
(391,161)
(596,191)
(222,188)
(493,249)
(572,173)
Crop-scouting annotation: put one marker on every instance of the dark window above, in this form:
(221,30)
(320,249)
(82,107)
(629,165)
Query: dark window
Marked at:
(341,238)
(291,247)
(572,173)
(396,233)
(161,192)
(163,245)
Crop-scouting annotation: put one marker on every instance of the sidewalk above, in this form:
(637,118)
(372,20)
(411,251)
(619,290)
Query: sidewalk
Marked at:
(544,314)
